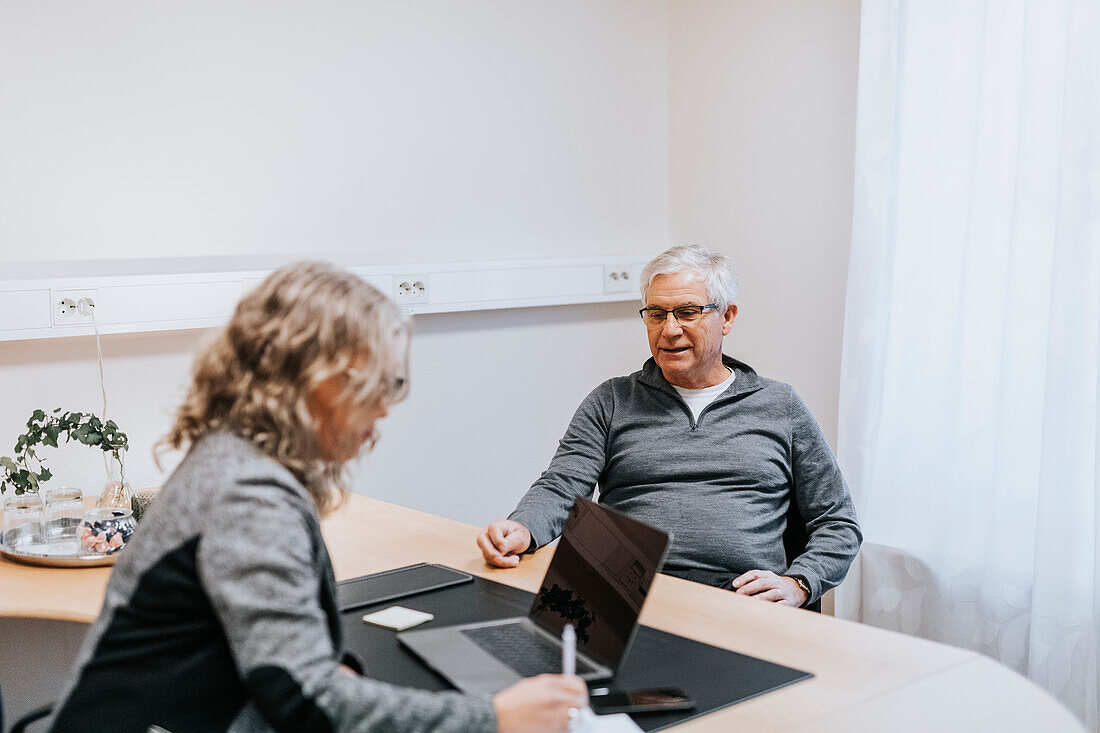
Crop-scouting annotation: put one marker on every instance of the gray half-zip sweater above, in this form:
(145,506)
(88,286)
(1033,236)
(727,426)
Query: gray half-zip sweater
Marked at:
(720,485)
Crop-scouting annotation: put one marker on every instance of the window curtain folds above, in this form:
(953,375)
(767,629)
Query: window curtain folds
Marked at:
(968,407)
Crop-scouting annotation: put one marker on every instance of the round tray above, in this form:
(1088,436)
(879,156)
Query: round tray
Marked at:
(65,554)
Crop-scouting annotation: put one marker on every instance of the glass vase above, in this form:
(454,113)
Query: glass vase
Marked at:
(117,492)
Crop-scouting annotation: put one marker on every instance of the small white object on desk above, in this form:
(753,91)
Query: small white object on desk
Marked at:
(398,618)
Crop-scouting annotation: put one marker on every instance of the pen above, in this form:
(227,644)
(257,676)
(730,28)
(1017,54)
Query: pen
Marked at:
(568,650)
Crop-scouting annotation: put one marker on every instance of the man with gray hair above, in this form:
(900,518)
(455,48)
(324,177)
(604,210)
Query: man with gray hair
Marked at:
(732,464)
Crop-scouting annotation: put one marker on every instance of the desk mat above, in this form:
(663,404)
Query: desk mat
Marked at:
(715,678)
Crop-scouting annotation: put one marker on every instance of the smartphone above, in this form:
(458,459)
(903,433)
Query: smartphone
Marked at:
(398,583)
(604,701)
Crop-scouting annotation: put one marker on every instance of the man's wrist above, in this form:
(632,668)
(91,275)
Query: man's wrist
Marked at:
(531,544)
(803,586)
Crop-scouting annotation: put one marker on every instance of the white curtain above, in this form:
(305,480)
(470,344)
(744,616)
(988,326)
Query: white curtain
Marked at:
(969,415)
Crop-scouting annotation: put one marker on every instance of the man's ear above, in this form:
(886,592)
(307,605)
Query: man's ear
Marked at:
(727,319)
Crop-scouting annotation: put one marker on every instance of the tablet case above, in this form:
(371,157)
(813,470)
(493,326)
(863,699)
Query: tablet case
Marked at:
(389,585)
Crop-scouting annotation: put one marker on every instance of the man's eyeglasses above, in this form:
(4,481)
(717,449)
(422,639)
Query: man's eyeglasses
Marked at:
(683,314)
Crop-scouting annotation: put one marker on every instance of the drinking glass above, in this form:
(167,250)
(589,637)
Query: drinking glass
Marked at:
(64,510)
(22,519)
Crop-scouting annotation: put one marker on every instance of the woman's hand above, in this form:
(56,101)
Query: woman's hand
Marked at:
(540,703)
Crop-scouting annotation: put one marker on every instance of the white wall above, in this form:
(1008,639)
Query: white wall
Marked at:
(491,394)
(398,131)
(432,132)
(761,145)
(413,130)
(145,376)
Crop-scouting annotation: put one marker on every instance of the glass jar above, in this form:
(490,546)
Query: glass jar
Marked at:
(106,530)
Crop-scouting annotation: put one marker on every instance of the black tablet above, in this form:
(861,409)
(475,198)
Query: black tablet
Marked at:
(389,585)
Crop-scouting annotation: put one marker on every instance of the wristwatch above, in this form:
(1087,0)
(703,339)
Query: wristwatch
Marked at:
(802,584)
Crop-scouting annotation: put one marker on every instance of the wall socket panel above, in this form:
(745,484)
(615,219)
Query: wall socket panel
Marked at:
(619,278)
(411,289)
(69,307)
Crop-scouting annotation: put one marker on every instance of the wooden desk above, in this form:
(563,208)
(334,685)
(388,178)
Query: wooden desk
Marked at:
(867,679)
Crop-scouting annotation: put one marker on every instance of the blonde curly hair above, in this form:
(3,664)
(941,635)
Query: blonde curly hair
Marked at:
(304,323)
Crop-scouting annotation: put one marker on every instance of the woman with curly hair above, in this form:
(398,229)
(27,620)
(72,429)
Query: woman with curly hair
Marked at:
(222,614)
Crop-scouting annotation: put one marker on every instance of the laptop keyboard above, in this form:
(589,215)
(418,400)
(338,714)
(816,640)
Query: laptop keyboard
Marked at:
(521,649)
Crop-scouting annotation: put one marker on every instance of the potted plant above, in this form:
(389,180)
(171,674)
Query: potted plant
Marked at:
(27,471)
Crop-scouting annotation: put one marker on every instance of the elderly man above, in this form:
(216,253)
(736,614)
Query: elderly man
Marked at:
(699,445)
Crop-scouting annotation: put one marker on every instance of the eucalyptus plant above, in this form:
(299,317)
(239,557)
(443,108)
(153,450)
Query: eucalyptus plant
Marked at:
(27,471)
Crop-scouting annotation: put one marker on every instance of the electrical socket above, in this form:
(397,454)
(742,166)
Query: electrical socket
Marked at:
(72,307)
(618,279)
(411,289)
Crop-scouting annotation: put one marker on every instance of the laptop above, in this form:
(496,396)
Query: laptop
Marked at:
(598,580)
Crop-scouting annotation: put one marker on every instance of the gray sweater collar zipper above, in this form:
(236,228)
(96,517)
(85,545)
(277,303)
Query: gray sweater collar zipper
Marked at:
(747,382)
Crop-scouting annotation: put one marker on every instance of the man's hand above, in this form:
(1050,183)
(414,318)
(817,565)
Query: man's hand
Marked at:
(503,541)
(540,703)
(768,586)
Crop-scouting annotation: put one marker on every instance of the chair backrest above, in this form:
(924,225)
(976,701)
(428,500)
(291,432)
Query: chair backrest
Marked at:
(795,539)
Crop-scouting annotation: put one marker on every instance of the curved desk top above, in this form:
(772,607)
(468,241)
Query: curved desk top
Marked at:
(867,679)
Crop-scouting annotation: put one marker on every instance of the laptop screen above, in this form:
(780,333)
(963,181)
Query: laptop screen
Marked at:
(598,580)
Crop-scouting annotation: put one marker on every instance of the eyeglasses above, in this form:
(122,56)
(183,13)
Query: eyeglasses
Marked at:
(392,389)
(397,387)
(683,314)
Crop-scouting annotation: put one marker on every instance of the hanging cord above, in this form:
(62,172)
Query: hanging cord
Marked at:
(90,305)
(86,306)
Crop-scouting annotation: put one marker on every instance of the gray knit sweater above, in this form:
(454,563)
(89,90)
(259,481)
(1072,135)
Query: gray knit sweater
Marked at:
(221,614)
(721,486)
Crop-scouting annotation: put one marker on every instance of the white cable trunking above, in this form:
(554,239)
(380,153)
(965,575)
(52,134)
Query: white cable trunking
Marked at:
(140,296)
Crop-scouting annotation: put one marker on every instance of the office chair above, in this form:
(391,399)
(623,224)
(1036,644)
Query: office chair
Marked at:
(794,542)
